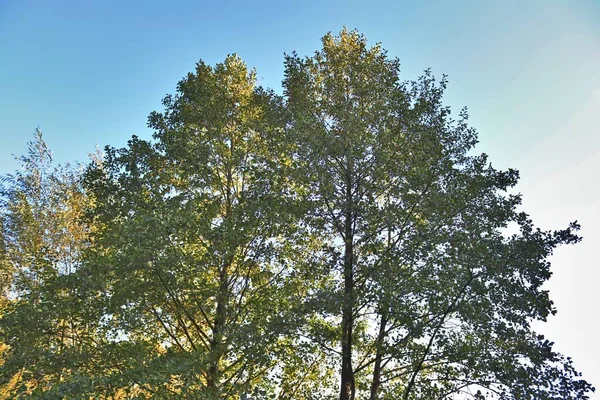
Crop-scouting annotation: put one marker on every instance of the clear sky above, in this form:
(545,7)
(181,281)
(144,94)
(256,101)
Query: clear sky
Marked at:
(90,72)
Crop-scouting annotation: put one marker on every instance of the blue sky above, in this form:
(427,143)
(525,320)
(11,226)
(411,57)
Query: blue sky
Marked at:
(90,73)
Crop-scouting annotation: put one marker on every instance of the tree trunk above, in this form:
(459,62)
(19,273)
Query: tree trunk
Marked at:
(347,387)
(216,345)
(378,357)
(347,384)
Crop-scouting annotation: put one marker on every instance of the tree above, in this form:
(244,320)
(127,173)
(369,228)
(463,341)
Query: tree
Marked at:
(42,239)
(196,238)
(433,299)
(343,240)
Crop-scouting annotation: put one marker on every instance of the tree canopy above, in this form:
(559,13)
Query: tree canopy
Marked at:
(343,240)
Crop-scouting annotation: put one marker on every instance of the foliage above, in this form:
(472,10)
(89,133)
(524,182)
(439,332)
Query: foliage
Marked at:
(196,237)
(343,240)
(42,242)
(417,247)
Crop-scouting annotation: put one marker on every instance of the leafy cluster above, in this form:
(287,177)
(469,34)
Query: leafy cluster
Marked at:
(342,240)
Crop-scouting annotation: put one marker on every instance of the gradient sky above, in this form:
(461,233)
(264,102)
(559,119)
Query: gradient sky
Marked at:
(529,72)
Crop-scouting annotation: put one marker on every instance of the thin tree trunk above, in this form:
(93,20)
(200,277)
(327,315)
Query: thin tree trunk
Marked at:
(216,345)
(347,383)
(378,357)
(347,386)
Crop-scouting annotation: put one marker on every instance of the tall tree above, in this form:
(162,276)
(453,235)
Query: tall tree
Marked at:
(434,300)
(42,239)
(341,241)
(197,237)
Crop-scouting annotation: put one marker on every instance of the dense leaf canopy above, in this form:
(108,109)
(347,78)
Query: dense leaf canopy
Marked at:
(343,240)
